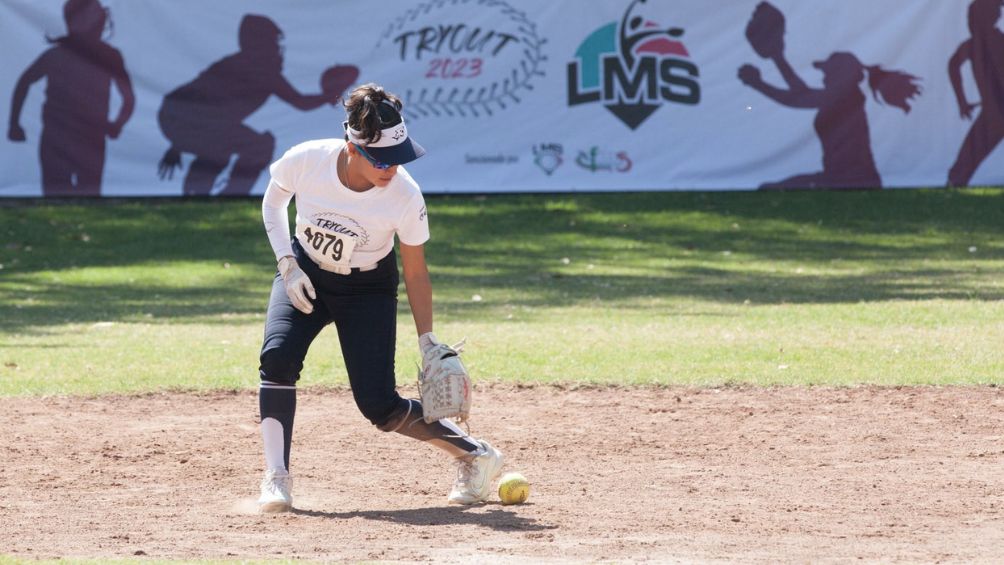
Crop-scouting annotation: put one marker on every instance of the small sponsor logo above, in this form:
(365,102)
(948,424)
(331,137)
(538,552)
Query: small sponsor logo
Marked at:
(548,156)
(496,159)
(422,214)
(594,159)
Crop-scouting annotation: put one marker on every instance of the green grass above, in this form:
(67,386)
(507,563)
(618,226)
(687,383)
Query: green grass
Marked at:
(891,287)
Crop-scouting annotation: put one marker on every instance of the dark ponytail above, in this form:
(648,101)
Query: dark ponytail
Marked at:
(371,109)
(895,88)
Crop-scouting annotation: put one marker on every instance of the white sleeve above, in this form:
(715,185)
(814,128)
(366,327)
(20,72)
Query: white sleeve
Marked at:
(274,208)
(286,170)
(413,227)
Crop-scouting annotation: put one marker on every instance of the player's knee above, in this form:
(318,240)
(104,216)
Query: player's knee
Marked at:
(392,420)
(279,367)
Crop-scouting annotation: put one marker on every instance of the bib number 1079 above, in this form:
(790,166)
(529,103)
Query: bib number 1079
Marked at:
(325,243)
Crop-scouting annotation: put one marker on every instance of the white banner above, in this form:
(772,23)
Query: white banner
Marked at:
(186,97)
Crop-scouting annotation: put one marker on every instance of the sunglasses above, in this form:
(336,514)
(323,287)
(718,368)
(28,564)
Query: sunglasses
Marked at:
(376,164)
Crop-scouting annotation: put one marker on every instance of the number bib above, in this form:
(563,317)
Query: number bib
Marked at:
(331,250)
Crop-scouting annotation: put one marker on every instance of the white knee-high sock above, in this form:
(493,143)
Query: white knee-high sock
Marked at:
(278,407)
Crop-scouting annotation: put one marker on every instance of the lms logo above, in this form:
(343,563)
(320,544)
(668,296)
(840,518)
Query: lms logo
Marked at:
(634,66)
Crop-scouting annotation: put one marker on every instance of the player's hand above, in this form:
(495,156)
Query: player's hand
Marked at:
(114,129)
(16,133)
(444,384)
(168,163)
(298,286)
(750,75)
(966,110)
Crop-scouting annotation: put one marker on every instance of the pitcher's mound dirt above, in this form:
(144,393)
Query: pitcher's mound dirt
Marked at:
(618,474)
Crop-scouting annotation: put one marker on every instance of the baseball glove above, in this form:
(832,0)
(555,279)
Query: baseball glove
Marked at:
(444,384)
(765,31)
(335,80)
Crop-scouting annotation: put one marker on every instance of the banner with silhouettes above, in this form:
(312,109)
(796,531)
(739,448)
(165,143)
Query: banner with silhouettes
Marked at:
(185,98)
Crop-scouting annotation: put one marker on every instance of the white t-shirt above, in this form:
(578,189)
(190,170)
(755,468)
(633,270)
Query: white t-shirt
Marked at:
(323,204)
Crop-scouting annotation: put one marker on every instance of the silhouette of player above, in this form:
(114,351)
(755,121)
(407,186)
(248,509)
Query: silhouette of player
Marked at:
(985,52)
(205,116)
(841,122)
(80,69)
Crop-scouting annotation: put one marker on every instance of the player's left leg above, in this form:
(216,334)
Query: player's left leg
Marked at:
(254,153)
(366,317)
(477,462)
(408,420)
(367,324)
(90,165)
(57,168)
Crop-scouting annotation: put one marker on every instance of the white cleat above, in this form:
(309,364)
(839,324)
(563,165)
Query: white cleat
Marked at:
(476,475)
(276,492)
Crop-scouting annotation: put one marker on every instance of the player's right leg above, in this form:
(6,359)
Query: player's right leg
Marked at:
(477,462)
(983,137)
(807,181)
(366,330)
(202,175)
(288,335)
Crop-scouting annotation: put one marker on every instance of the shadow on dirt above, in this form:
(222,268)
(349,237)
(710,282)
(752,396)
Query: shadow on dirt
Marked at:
(494,518)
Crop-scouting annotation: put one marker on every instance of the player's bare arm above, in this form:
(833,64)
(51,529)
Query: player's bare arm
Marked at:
(418,285)
(959,58)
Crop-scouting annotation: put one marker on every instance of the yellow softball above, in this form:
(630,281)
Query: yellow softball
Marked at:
(513,489)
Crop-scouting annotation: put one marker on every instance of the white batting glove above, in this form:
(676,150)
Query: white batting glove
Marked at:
(298,286)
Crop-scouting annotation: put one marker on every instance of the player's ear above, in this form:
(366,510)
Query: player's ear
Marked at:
(352,148)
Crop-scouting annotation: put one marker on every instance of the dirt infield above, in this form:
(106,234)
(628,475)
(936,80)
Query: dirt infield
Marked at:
(618,474)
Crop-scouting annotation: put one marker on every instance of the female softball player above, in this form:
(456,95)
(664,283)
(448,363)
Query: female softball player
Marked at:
(352,197)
